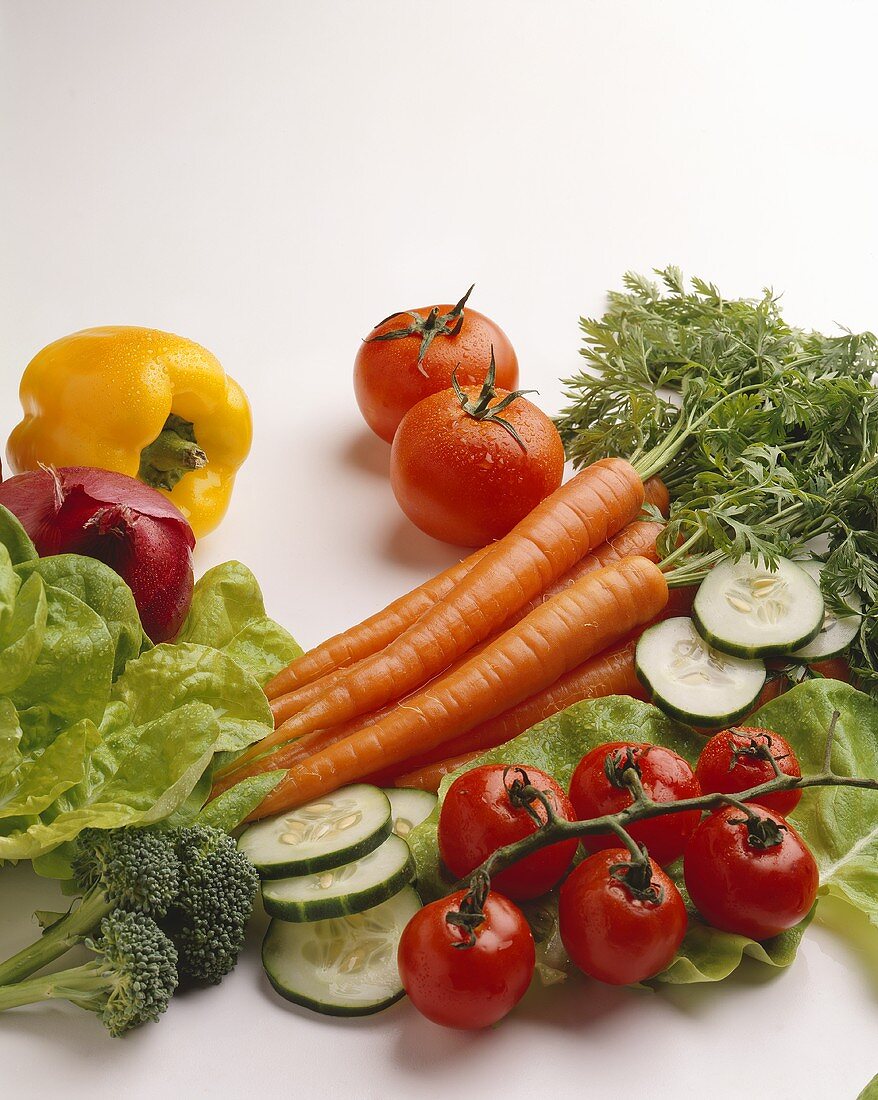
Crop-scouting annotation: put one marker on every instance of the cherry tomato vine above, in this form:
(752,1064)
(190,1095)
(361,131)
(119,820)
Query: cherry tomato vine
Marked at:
(637,874)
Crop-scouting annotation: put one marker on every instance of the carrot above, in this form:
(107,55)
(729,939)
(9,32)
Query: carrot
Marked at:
(373,634)
(598,610)
(655,492)
(590,508)
(430,776)
(609,673)
(637,538)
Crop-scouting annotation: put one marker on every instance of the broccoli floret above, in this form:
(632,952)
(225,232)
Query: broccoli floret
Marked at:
(215,901)
(129,982)
(137,869)
(131,869)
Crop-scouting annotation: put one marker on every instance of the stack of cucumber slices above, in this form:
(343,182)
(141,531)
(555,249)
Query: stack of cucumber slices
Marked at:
(709,670)
(336,881)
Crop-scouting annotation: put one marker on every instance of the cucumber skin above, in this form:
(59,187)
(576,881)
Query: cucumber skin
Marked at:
(319,1006)
(753,652)
(688,717)
(749,653)
(839,651)
(296,912)
(329,861)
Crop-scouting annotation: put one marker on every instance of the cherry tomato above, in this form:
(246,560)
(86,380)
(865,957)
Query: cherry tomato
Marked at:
(389,378)
(478,817)
(730,763)
(467,480)
(666,777)
(613,931)
(757,884)
(466,987)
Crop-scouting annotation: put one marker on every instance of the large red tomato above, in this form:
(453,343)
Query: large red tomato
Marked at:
(467,477)
(410,355)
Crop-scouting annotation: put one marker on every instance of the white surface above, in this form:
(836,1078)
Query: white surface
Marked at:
(272,178)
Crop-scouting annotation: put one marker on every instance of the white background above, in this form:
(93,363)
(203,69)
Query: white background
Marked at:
(271,179)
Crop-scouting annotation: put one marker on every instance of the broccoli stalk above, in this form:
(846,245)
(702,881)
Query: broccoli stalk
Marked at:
(129,982)
(131,869)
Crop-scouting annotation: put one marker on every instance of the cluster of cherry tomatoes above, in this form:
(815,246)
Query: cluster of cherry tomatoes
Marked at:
(467,463)
(622,919)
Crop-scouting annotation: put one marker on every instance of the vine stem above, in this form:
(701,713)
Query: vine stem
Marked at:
(557,829)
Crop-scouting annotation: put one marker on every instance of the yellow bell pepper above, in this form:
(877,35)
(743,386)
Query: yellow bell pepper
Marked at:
(141,402)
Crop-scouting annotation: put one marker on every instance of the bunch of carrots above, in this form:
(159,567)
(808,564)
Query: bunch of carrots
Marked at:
(521,629)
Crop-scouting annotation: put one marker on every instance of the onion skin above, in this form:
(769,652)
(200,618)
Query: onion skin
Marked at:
(121,522)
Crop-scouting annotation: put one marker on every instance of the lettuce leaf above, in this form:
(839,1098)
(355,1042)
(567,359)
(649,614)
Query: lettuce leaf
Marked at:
(706,954)
(24,634)
(133,776)
(840,825)
(168,676)
(709,955)
(97,730)
(169,715)
(9,585)
(10,751)
(228,613)
(103,590)
(73,670)
(237,803)
(41,781)
(870,1092)
(15,539)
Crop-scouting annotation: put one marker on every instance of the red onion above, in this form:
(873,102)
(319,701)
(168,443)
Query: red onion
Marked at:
(118,520)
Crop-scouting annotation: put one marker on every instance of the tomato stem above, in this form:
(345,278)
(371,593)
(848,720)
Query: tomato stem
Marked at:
(470,913)
(635,875)
(622,770)
(755,751)
(481,408)
(762,832)
(428,328)
(522,795)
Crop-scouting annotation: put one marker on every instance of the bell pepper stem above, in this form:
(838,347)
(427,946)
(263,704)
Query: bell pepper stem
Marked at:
(172,454)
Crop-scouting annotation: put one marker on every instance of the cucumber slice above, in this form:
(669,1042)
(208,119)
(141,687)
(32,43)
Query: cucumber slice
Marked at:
(690,680)
(328,832)
(344,966)
(837,631)
(409,807)
(352,888)
(751,611)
